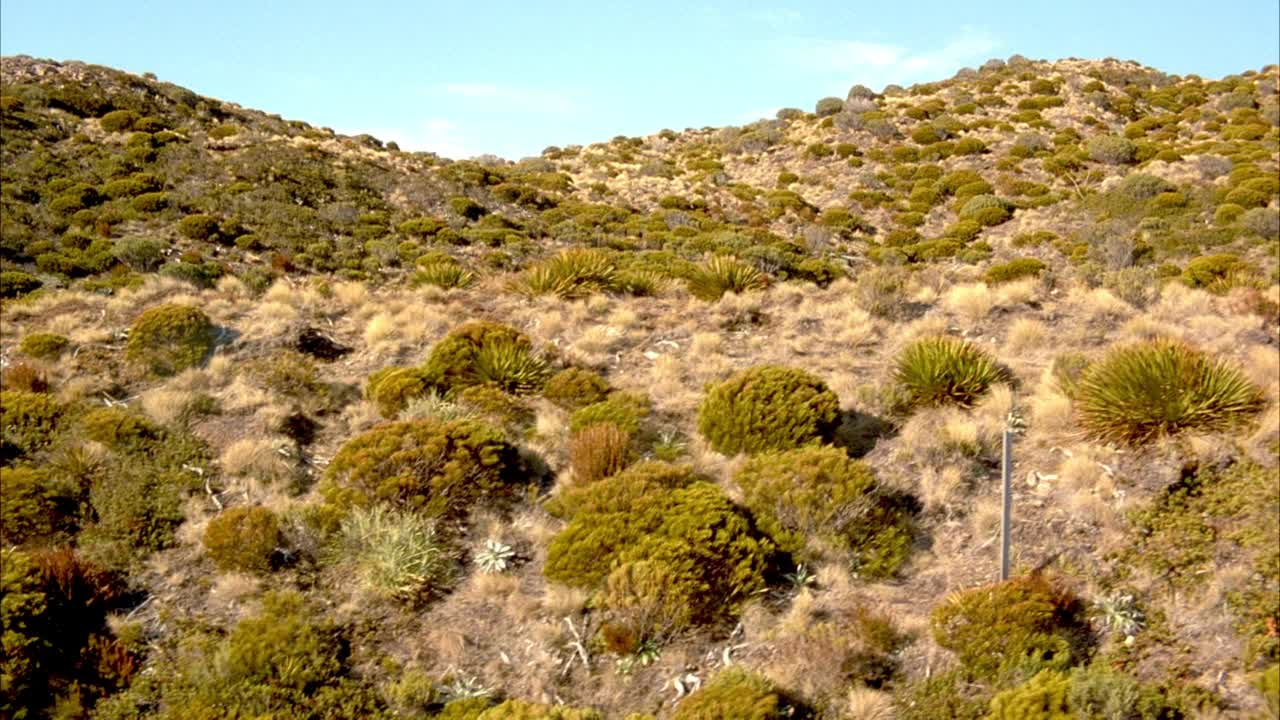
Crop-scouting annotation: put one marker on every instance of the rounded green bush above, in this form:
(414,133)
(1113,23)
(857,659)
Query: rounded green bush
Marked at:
(1015,269)
(198,227)
(243,538)
(1206,270)
(28,419)
(1043,697)
(142,254)
(30,508)
(986,210)
(995,626)
(624,410)
(392,388)
(168,339)
(828,106)
(118,120)
(768,407)
(815,502)
(575,388)
(1147,390)
(114,426)
(439,467)
(707,550)
(45,346)
(1111,149)
(735,694)
(15,283)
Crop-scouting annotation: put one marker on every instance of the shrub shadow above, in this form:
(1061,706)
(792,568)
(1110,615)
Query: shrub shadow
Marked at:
(859,432)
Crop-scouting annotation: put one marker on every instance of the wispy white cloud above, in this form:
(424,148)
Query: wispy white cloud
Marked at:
(876,63)
(436,135)
(527,99)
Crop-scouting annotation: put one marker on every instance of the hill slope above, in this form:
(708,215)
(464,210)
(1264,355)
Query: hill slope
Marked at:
(256,460)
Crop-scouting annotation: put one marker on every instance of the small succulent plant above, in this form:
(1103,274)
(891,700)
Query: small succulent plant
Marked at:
(495,557)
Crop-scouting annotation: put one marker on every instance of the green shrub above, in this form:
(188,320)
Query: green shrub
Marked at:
(1027,619)
(118,120)
(45,346)
(521,710)
(709,555)
(943,371)
(1205,271)
(32,507)
(117,427)
(439,467)
(828,106)
(225,130)
(150,202)
(395,554)
(392,388)
(452,362)
(198,227)
(1043,697)
(467,208)
(623,410)
(986,210)
(15,283)
(243,538)
(1015,269)
(598,451)
(575,388)
(28,419)
(572,274)
(1268,683)
(142,254)
(1111,149)
(768,408)
(720,274)
(735,694)
(138,506)
(815,501)
(168,339)
(1147,390)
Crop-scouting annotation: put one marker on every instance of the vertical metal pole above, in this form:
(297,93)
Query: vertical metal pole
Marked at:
(1006,473)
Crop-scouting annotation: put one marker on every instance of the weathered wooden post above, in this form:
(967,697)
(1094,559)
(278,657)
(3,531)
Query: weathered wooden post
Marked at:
(1006,475)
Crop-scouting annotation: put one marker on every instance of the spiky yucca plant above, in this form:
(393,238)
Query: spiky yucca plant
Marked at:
(945,371)
(396,554)
(721,274)
(1151,389)
(571,274)
(510,366)
(445,275)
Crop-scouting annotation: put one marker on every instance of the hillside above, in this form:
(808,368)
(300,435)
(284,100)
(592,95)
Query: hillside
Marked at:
(707,421)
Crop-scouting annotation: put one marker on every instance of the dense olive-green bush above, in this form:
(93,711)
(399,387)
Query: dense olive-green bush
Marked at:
(1143,391)
(1208,271)
(15,283)
(1111,149)
(392,388)
(168,339)
(815,503)
(28,419)
(828,106)
(118,120)
(768,408)
(735,694)
(709,556)
(1015,269)
(34,506)
(142,254)
(1025,619)
(575,388)
(1043,697)
(117,428)
(243,538)
(440,468)
(986,210)
(626,411)
(943,370)
(198,227)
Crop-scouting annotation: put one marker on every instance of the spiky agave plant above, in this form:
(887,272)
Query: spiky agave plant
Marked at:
(445,275)
(721,274)
(510,366)
(945,371)
(571,274)
(1151,389)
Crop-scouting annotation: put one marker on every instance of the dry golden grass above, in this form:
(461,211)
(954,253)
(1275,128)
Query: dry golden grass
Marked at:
(560,601)
(350,295)
(1026,335)
(970,302)
(984,519)
(864,703)
(940,488)
(256,458)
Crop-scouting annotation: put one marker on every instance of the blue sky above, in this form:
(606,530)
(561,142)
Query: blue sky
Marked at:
(510,78)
